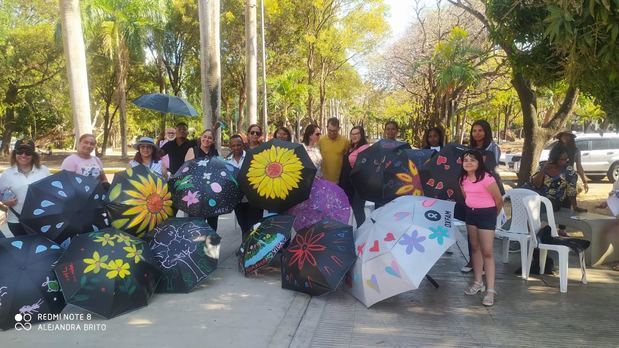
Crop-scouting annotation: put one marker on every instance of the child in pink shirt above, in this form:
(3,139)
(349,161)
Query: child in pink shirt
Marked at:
(483,202)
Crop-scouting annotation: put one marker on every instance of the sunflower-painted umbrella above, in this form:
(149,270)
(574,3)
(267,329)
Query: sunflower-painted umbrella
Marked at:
(28,284)
(138,200)
(318,258)
(186,250)
(326,200)
(384,172)
(398,245)
(108,272)
(277,175)
(264,241)
(206,187)
(63,205)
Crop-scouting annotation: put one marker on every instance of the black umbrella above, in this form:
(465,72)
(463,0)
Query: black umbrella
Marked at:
(318,258)
(28,286)
(63,205)
(186,250)
(277,175)
(206,188)
(108,272)
(167,104)
(420,157)
(264,241)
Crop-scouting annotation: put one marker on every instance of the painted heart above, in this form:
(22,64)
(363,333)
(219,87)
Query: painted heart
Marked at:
(389,237)
(447,167)
(375,247)
(450,192)
(360,249)
(372,283)
(439,186)
(441,160)
(401,215)
(18,244)
(430,182)
(428,203)
(57,184)
(393,269)
(40,248)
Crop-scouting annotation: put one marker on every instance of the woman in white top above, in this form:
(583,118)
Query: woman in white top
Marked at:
(148,156)
(25,169)
(310,143)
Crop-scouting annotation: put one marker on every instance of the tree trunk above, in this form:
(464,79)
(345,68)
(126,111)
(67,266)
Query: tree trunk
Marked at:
(241,106)
(10,99)
(75,56)
(210,65)
(251,43)
(122,58)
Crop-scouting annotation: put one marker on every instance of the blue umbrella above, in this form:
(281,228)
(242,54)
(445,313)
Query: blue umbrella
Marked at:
(166,104)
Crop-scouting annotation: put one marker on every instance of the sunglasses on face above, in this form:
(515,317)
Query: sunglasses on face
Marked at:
(258,133)
(24,152)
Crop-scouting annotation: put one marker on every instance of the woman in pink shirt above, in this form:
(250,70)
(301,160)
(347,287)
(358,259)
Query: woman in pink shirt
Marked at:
(483,203)
(83,162)
(358,143)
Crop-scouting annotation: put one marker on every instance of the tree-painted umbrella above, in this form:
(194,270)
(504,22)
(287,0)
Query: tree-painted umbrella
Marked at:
(186,250)
(326,200)
(398,245)
(384,172)
(318,258)
(441,177)
(28,285)
(277,175)
(264,241)
(206,188)
(167,104)
(108,272)
(63,205)
(421,157)
(138,201)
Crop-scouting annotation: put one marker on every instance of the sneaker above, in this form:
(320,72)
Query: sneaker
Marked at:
(466,269)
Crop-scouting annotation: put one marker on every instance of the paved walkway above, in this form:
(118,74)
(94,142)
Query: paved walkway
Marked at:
(229,310)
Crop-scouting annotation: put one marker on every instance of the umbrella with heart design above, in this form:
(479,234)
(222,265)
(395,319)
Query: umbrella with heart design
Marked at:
(398,245)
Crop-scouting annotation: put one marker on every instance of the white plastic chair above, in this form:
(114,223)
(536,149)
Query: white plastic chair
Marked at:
(533,206)
(518,229)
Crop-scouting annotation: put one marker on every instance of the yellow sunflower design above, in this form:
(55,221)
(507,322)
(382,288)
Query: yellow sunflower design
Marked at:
(146,203)
(411,181)
(275,172)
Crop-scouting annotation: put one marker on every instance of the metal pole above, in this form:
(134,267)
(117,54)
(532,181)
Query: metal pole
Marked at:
(264,71)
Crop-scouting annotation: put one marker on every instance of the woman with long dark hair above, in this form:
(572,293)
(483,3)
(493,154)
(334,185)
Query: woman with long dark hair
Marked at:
(283,134)
(254,136)
(358,143)
(481,139)
(148,156)
(433,139)
(567,138)
(310,143)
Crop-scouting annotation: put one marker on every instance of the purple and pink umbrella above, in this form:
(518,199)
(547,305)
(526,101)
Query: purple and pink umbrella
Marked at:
(326,200)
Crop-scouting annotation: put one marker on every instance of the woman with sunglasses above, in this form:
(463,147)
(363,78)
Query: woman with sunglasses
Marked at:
(254,134)
(25,169)
(310,143)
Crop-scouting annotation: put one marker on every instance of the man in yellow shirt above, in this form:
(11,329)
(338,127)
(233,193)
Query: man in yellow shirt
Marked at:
(332,148)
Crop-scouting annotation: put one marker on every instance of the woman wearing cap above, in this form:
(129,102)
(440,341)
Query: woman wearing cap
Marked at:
(83,162)
(25,169)
(148,156)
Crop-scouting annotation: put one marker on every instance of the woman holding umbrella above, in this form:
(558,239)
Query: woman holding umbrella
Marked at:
(310,143)
(25,169)
(148,156)
(83,162)
(254,133)
(358,143)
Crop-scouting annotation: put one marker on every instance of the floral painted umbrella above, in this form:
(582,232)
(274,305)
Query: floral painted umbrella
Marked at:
(108,272)
(264,241)
(326,200)
(398,245)
(138,201)
(318,258)
(186,250)
(277,175)
(28,284)
(206,188)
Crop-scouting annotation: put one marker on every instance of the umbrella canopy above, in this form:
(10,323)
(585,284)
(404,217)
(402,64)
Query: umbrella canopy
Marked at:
(265,240)
(384,172)
(318,258)
(108,272)
(206,187)
(327,200)
(398,245)
(27,283)
(63,205)
(420,157)
(167,104)
(277,175)
(186,250)
(441,176)
(138,200)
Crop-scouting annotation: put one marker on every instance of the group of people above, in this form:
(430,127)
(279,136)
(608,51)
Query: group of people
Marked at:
(334,157)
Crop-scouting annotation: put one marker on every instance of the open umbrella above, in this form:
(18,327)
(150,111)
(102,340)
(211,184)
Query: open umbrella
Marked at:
(63,205)
(138,200)
(186,250)
(206,188)
(277,175)
(421,157)
(108,272)
(318,258)
(398,245)
(167,104)
(264,241)
(28,285)
(326,200)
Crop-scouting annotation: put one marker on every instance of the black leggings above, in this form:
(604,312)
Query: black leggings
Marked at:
(358,209)
(247,215)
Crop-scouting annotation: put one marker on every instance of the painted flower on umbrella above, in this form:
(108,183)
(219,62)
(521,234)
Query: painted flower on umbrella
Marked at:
(151,203)
(134,253)
(96,263)
(117,268)
(439,233)
(412,181)
(105,239)
(412,242)
(125,238)
(275,172)
(303,246)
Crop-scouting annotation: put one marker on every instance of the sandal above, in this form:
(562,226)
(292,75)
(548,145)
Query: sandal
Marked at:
(475,288)
(488,300)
